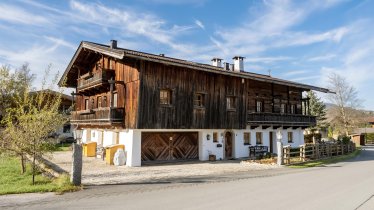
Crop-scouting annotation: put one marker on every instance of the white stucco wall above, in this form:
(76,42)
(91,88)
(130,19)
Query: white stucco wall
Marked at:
(132,141)
(94,135)
(210,147)
(108,138)
(85,136)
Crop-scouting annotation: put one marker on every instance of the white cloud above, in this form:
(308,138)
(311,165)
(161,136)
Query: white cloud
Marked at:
(299,79)
(293,73)
(18,15)
(267,59)
(326,57)
(128,21)
(61,42)
(200,24)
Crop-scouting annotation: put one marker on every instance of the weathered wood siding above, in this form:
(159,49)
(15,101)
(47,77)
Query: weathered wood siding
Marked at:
(184,83)
(127,88)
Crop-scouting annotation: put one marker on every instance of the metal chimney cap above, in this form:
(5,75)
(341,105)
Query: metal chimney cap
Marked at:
(216,58)
(238,57)
(113,44)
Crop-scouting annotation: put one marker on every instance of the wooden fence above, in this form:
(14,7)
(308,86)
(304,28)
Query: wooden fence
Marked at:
(308,152)
(369,141)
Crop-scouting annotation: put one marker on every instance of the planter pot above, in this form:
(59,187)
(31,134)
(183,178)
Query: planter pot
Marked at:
(212,157)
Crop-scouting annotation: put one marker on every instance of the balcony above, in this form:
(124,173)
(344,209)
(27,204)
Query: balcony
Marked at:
(100,116)
(98,79)
(278,119)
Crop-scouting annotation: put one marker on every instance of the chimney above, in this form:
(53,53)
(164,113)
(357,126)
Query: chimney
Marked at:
(217,62)
(238,63)
(226,66)
(113,44)
(231,67)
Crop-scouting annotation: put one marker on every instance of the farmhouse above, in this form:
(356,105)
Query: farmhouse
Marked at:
(165,109)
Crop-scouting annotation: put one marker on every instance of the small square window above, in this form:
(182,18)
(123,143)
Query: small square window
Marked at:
(198,100)
(259,105)
(165,97)
(215,137)
(258,137)
(247,138)
(104,101)
(293,110)
(231,102)
(66,128)
(86,104)
(99,102)
(115,99)
(283,108)
(290,137)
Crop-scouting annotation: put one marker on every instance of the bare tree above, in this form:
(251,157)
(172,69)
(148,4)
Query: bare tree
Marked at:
(344,114)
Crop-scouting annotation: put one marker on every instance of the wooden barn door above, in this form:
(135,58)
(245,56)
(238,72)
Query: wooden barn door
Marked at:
(169,146)
(228,145)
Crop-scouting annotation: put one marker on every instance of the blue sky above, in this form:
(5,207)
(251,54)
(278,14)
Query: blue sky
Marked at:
(302,41)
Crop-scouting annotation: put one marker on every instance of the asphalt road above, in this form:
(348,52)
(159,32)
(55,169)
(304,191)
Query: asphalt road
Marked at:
(346,185)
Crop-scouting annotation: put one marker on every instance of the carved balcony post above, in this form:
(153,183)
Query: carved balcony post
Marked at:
(111,82)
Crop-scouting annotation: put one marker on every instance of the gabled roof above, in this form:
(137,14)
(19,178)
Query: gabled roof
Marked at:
(121,53)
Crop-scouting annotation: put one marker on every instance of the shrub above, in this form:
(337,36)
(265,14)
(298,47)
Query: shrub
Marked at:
(369,136)
(308,138)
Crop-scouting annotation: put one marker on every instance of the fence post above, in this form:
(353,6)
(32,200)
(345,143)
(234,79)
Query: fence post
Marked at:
(280,155)
(301,152)
(317,151)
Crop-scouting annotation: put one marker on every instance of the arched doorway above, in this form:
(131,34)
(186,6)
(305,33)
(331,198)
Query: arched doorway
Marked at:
(228,145)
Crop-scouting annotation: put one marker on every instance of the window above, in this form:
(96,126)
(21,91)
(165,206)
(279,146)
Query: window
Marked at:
(215,137)
(258,137)
(165,97)
(99,102)
(66,129)
(198,100)
(290,137)
(259,106)
(92,103)
(115,98)
(247,138)
(93,134)
(86,104)
(231,102)
(293,111)
(283,108)
(105,101)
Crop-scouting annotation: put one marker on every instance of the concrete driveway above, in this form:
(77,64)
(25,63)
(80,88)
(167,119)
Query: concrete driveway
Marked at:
(346,185)
(97,172)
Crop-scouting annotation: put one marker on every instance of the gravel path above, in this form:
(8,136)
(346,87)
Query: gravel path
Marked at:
(97,172)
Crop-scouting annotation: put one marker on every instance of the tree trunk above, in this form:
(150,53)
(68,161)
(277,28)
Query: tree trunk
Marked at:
(33,164)
(23,164)
(33,169)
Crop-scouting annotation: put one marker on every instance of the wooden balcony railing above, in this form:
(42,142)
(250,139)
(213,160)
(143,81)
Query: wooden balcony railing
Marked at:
(280,119)
(99,77)
(98,116)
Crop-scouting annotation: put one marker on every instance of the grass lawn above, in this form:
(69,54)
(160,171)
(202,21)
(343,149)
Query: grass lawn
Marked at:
(62,147)
(326,161)
(12,181)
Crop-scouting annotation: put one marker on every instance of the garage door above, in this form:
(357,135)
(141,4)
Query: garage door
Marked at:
(169,146)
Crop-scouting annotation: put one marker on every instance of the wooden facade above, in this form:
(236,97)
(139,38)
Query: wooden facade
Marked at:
(125,93)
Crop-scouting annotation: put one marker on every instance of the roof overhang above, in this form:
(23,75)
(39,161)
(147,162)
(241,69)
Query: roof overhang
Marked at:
(120,53)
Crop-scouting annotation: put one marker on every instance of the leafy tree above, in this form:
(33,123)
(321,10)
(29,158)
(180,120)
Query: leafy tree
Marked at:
(344,114)
(12,84)
(30,121)
(318,109)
